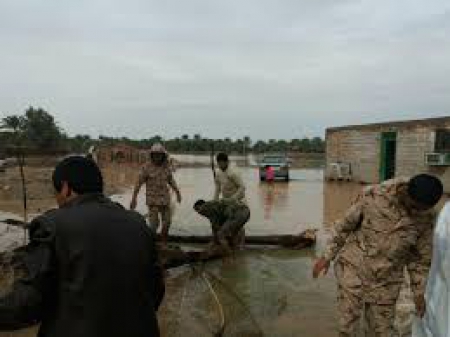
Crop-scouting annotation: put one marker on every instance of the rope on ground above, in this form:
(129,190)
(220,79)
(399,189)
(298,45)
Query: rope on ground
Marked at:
(221,330)
(183,298)
(204,274)
(238,298)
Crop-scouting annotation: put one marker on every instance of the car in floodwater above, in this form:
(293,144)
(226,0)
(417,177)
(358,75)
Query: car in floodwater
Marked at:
(280,164)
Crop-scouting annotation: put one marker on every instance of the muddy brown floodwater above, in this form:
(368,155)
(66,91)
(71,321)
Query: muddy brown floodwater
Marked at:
(270,291)
(264,292)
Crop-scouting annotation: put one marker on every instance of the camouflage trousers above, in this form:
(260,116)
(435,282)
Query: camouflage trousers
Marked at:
(355,315)
(159,215)
(379,318)
(233,229)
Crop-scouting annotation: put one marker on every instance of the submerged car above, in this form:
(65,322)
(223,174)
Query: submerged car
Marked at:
(280,165)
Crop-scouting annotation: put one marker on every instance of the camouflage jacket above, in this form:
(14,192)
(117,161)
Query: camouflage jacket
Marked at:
(157,180)
(378,238)
(219,211)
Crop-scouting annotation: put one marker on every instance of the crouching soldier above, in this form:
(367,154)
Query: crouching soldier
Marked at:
(227,218)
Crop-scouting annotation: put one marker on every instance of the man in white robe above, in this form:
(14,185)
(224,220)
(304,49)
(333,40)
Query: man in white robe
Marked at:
(436,321)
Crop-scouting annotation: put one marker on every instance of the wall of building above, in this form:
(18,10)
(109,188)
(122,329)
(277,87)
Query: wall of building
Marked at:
(121,155)
(412,145)
(361,148)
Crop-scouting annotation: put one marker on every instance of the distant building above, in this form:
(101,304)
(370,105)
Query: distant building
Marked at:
(377,152)
(120,154)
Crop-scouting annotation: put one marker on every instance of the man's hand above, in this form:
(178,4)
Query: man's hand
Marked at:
(133,204)
(420,305)
(321,266)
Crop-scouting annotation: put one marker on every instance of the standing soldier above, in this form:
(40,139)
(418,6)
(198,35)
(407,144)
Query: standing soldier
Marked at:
(387,229)
(158,177)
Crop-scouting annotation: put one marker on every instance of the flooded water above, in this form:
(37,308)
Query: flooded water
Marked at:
(264,292)
(275,291)
(278,208)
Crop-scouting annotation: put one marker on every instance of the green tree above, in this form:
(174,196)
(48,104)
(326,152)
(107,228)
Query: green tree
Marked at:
(15,124)
(260,146)
(40,129)
(317,145)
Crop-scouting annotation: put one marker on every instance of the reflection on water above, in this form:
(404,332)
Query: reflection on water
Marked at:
(273,195)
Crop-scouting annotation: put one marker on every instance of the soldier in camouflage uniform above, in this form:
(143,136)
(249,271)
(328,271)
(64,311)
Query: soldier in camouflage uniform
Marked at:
(158,177)
(388,228)
(227,218)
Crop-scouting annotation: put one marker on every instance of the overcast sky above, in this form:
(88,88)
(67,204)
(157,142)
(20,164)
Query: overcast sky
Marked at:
(263,68)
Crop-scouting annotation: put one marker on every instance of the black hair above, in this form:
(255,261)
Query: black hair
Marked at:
(199,203)
(159,154)
(425,189)
(222,156)
(162,154)
(81,174)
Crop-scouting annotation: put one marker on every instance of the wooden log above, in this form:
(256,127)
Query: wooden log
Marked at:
(300,241)
(15,223)
(175,257)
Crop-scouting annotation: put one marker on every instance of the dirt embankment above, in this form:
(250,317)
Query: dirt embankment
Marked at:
(40,191)
(40,195)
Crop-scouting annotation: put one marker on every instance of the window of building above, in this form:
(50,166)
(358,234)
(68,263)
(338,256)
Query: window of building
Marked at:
(442,140)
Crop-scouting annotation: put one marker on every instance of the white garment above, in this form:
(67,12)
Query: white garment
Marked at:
(229,185)
(436,322)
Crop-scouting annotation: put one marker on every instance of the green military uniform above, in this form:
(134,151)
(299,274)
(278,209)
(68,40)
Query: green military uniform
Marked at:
(227,218)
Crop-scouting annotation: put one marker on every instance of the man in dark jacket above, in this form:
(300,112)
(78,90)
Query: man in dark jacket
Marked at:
(91,266)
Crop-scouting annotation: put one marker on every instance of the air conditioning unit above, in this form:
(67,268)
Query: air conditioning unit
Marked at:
(340,171)
(437,159)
